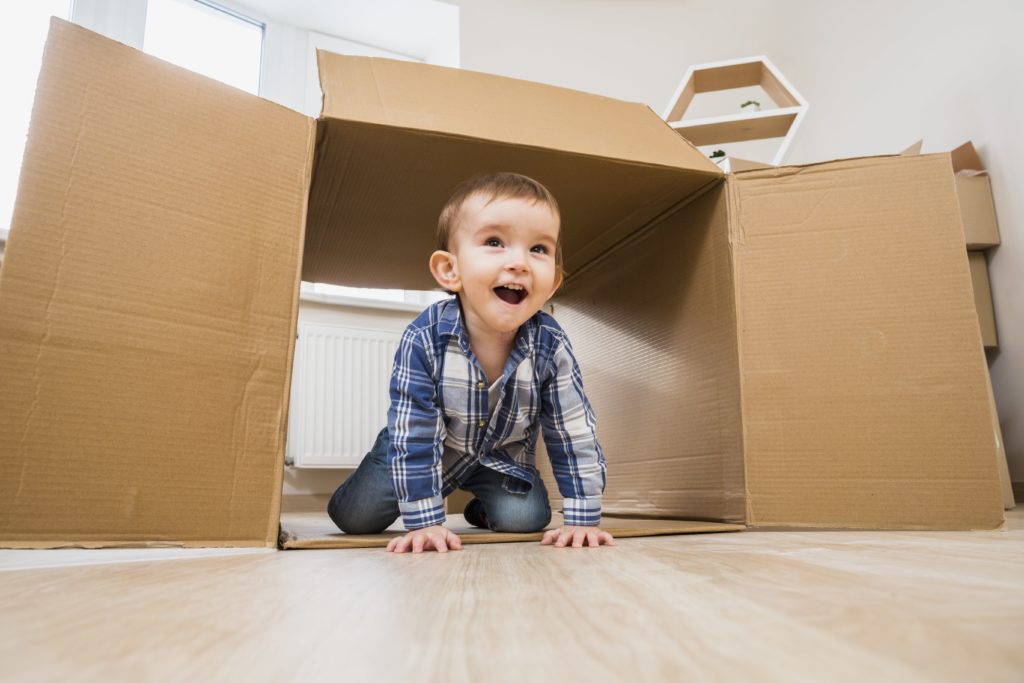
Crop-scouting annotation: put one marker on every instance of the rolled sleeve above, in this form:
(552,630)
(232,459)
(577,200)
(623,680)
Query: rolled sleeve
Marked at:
(570,435)
(417,514)
(417,431)
(582,511)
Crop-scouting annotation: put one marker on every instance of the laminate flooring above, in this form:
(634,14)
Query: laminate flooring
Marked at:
(749,606)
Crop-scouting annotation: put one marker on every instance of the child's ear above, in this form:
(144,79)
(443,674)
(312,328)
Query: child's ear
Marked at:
(559,276)
(444,267)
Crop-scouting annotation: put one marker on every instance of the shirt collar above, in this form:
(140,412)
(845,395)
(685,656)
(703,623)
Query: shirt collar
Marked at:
(450,325)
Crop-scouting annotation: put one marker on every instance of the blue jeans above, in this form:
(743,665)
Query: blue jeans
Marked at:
(366,503)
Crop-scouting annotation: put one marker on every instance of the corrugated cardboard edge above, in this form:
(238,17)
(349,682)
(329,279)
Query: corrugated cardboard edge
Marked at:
(735,236)
(274,522)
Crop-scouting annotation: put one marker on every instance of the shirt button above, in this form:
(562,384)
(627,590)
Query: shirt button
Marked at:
(481,423)
(479,385)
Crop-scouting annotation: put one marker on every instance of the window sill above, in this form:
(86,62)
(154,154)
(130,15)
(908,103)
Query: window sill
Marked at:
(338,300)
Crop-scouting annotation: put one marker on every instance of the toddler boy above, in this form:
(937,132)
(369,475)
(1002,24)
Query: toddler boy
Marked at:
(475,377)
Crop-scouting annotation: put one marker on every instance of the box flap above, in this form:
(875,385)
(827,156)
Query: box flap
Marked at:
(914,149)
(465,103)
(395,138)
(737,165)
(965,158)
(860,359)
(147,305)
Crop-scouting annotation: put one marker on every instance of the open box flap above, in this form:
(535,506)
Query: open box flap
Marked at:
(395,138)
(446,101)
(886,401)
(147,305)
(965,158)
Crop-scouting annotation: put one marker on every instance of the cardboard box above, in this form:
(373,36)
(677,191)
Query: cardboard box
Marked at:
(149,295)
(974,193)
(983,298)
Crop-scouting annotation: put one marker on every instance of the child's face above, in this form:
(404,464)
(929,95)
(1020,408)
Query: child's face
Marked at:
(501,262)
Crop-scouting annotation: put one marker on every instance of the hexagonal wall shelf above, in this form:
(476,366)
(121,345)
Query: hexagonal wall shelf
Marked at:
(738,73)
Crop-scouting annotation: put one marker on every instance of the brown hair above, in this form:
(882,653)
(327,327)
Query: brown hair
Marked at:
(494,186)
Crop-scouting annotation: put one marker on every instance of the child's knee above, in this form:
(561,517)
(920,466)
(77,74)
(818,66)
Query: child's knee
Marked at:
(522,519)
(356,523)
(352,519)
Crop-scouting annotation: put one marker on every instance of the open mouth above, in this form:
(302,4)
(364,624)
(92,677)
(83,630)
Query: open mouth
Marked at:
(511,294)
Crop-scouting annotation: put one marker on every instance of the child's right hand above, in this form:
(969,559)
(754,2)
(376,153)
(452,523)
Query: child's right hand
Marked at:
(432,537)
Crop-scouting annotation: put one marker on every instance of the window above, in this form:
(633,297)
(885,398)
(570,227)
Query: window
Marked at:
(207,39)
(23,27)
(318,291)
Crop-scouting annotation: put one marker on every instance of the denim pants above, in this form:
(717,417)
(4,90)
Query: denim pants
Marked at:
(366,502)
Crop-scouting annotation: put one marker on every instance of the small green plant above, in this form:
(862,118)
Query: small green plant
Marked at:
(717,154)
(753,104)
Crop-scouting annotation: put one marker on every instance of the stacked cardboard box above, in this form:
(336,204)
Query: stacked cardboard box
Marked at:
(755,346)
(981,231)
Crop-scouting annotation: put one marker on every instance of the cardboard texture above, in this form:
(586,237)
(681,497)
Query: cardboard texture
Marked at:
(834,332)
(307,530)
(983,298)
(147,305)
(755,348)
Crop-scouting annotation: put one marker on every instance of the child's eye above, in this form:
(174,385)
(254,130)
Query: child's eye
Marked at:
(492,242)
(539,249)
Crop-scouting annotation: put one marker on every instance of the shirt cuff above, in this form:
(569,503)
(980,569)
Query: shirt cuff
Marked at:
(424,512)
(582,511)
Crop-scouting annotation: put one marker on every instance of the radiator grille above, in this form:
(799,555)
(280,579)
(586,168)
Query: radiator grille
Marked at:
(339,398)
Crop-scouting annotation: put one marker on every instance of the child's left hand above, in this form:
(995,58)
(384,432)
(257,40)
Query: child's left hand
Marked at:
(578,536)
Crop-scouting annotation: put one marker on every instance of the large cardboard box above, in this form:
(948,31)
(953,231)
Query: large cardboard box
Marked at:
(163,222)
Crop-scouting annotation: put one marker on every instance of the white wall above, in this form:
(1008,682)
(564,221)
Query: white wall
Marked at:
(878,75)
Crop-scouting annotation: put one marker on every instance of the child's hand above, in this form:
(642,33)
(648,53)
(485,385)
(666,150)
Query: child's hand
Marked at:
(577,535)
(432,537)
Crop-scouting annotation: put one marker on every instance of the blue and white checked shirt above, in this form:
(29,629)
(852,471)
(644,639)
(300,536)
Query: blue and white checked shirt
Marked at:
(441,429)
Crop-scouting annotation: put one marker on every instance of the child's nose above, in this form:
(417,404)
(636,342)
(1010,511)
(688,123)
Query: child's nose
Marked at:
(516,261)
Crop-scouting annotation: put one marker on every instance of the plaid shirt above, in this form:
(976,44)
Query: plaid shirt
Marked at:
(440,428)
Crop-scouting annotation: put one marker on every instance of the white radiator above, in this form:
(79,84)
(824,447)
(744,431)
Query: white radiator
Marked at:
(339,399)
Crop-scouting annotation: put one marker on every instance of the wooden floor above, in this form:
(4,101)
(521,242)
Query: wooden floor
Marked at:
(750,606)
